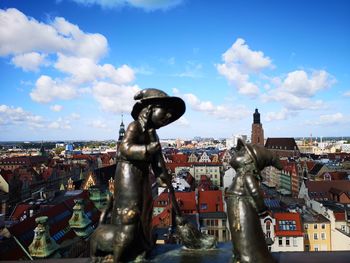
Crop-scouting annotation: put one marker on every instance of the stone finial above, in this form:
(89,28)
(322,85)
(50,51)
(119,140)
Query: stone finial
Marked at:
(43,246)
(79,221)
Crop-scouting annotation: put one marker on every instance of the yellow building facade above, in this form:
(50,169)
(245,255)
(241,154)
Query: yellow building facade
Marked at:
(317,235)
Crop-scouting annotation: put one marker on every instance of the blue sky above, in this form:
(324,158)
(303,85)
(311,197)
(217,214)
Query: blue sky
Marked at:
(69,68)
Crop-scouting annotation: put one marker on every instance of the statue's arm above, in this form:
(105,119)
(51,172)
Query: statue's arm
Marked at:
(129,147)
(254,190)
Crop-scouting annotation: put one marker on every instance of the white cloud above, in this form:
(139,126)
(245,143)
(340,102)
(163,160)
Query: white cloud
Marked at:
(29,61)
(246,59)
(60,123)
(85,70)
(283,114)
(329,119)
(114,98)
(10,115)
(183,122)
(21,34)
(46,89)
(296,90)
(75,116)
(56,108)
(240,61)
(219,111)
(147,5)
(347,93)
(300,83)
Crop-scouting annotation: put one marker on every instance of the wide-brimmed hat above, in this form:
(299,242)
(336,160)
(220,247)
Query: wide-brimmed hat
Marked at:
(262,157)
(146,97)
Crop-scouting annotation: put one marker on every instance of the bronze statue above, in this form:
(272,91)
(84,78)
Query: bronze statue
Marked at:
(129,235)
(245,203)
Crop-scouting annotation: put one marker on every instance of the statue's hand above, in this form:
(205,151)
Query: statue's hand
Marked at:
(153,148)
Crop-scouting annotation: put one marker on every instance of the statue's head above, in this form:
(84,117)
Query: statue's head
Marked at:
(159,108)
(259,155)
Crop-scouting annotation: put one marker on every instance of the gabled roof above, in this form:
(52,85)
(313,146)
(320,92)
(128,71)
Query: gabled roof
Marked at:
(336,175)
(316,168)
(325,186)
(288,144)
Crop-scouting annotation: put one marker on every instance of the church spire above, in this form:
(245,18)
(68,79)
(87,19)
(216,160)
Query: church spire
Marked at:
(121,130)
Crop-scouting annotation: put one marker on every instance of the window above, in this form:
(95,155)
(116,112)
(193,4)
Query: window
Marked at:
(279,241)
(295,242)
(268,225)
(323,226)
(316,248)
(287,242)
(343,227)
(306,236)
(315,236)
(323,236)
(287,225)
(307,248)
(204,206)
(306,226)
(315,226)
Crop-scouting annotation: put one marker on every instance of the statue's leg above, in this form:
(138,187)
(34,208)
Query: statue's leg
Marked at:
(124,239)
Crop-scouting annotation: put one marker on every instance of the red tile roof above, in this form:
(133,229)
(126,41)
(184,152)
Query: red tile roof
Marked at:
(179,158)
(290,218)
(19,211)
(339,216)
(186,201)
(212,199)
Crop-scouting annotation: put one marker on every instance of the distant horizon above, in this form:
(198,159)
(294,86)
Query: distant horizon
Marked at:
(114,140)
(70,68)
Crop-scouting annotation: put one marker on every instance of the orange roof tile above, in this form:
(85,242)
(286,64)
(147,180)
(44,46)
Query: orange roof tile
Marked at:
(288,224)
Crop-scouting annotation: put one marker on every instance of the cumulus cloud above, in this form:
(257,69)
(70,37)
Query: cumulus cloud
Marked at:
(56,108)
(10,115)
(297,89)
(114,98)
(240,61)
(47,89)
(21,34)
(219,111)
(83,70)
(300,83)
(147,5)
(29,61)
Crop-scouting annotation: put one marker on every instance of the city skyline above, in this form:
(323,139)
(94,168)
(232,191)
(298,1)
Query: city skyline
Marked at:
(70,68)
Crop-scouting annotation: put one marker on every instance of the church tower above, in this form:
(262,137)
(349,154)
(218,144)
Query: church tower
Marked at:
(121,132)
(257,129)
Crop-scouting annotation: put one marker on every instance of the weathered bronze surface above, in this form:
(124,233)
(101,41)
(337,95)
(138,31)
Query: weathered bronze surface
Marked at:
(128,236)
(245,203)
